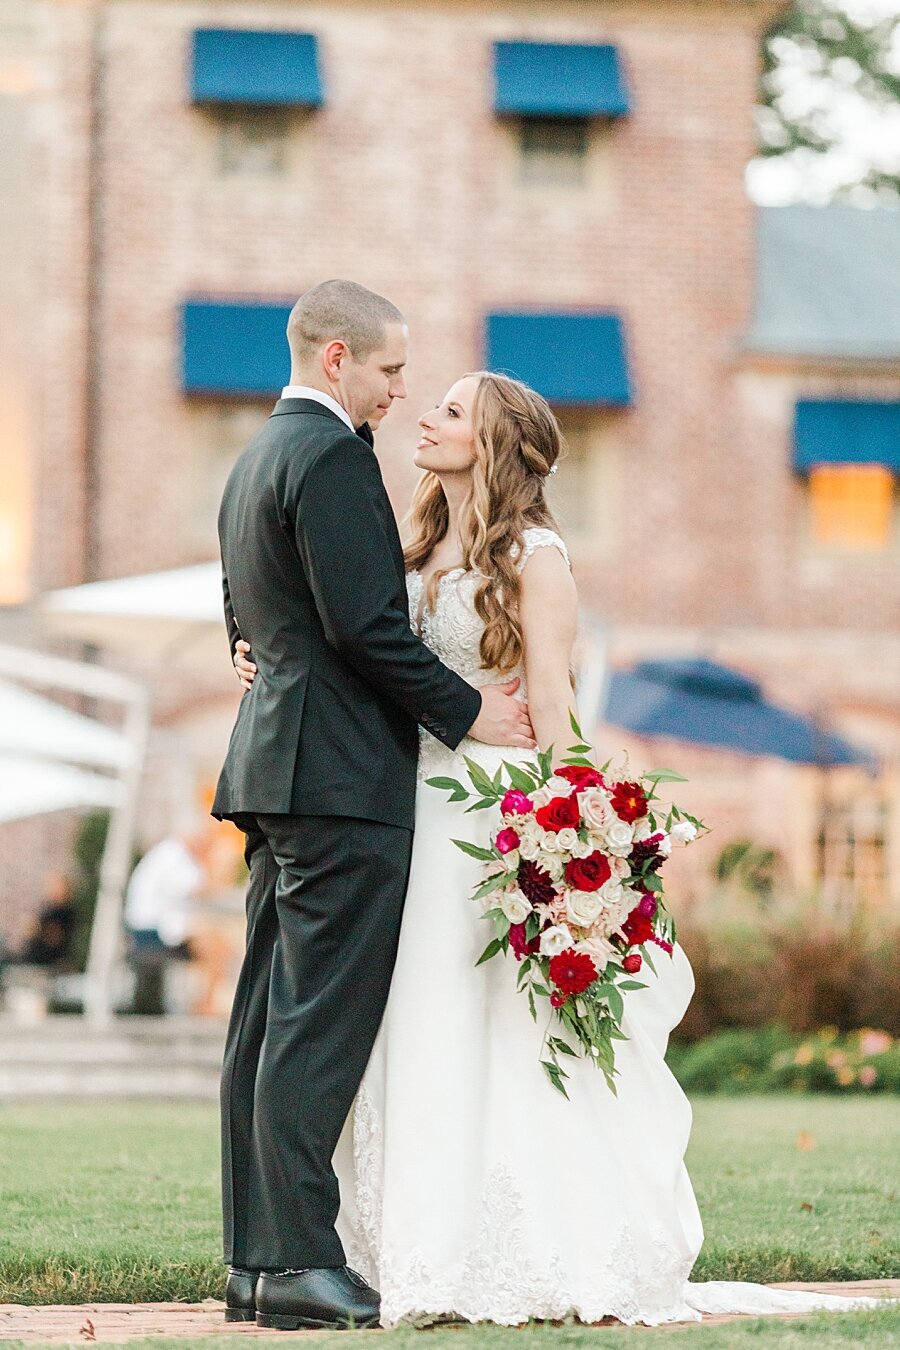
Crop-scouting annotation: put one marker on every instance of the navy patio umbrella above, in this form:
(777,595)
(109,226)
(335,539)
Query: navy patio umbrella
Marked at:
(698,700)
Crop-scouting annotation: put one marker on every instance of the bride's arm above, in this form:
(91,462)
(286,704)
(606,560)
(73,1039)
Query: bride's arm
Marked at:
(548,613)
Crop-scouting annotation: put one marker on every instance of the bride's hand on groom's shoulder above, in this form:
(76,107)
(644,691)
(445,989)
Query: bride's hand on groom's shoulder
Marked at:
(246,670)
(503,720)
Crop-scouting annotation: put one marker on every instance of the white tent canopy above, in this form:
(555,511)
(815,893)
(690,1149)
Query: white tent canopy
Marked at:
(34,787)
(153,610)
(37,727)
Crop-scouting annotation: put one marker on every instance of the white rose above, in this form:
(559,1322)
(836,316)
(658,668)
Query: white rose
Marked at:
(619,836)
(555,940)
(583,907)
(526,827)
(552,865)
(683,831)
(567,839)
(550,841)
(511,860)
(558,787)
(541,796)
(528,847)
(620,867)
(515,906)
(664,845)
(583,848)
(642,829)
(611,892)
(596,808)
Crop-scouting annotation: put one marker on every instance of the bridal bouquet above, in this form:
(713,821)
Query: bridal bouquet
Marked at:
(573,889)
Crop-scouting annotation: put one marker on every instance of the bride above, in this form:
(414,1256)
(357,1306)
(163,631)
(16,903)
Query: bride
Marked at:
(469,1187)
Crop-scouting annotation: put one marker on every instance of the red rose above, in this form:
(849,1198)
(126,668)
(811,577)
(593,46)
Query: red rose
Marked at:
(580,776)
(629,802)
(637,928)
(558,814)
(572,972)
(590,873)
(632,963)
(517,940)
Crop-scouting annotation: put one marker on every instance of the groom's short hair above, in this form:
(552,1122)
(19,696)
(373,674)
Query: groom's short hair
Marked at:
(339,309)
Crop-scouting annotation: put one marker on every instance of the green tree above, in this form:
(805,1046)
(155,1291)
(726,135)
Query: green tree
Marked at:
(817,60)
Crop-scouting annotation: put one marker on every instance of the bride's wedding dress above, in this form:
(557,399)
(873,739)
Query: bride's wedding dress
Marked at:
(469,1186)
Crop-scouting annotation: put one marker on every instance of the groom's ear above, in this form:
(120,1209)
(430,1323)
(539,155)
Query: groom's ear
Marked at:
(366,434)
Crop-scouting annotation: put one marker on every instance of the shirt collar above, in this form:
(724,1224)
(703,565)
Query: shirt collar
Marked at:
(317,395)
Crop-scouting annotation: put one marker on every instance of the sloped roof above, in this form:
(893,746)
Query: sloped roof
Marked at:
(827,282)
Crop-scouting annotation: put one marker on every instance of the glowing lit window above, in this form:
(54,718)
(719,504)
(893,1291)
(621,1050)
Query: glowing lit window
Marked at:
(852,505)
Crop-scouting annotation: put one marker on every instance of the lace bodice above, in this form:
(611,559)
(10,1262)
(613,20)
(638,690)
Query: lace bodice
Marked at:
(453,629)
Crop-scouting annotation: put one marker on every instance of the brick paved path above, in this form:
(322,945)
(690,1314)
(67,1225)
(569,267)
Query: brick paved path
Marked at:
(116,1323)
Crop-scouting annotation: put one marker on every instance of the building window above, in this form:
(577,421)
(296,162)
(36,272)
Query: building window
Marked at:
(216,433)
(851,861)
(553,152)
(252,142)
(584,494)
(852,506)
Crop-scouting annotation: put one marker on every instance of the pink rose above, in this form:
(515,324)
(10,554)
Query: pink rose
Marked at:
(515,803)
(507,840)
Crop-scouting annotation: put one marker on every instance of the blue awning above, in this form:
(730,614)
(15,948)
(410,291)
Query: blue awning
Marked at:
(252,66)
(703,702)
(234,348)
(559,79)
(572,359)
(846,431)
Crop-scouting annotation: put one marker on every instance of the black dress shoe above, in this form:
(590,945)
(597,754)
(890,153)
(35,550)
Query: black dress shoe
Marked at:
(240,1296)
(334,1297)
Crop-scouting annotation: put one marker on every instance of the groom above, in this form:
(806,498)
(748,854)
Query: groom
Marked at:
(320,775)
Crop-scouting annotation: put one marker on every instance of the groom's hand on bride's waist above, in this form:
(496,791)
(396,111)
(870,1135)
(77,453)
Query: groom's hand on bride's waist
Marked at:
(503,720)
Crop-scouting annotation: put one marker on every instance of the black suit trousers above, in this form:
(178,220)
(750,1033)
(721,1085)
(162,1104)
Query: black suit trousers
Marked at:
(323,920)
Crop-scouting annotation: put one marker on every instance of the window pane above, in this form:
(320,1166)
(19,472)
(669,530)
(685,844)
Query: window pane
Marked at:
(553,151)
(852,505)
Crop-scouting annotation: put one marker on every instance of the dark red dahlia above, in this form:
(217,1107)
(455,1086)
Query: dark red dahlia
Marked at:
(647,851)
(572,971)
(536,884)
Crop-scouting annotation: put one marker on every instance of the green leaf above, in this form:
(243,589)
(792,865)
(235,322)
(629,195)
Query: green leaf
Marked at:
(493,914)
(518,778)
(490,950)
(532,926)
(648,958)
(579,749)
(562,1047)
(492,883)
(531,1008)
(545,760)
(459,793)
(482,804)
(632,984)
(482,854)
(480,780)
(665,776)
(616,1004)
(573,723)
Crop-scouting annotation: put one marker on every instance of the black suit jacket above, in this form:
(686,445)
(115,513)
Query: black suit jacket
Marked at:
(313,578)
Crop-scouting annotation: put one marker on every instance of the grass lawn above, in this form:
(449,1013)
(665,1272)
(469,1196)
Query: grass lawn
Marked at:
(119,1202)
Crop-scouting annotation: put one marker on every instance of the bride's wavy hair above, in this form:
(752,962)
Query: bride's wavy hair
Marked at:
(517,443)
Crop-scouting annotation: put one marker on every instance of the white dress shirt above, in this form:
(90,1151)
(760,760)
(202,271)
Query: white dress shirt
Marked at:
(303,391)
(161,890)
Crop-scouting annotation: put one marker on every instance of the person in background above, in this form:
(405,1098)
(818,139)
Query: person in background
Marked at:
(50,940)
(159,912)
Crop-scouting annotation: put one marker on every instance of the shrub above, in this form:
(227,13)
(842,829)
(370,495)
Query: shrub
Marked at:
(772,1059)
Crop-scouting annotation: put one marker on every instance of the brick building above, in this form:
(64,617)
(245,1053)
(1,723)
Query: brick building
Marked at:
(557,189)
